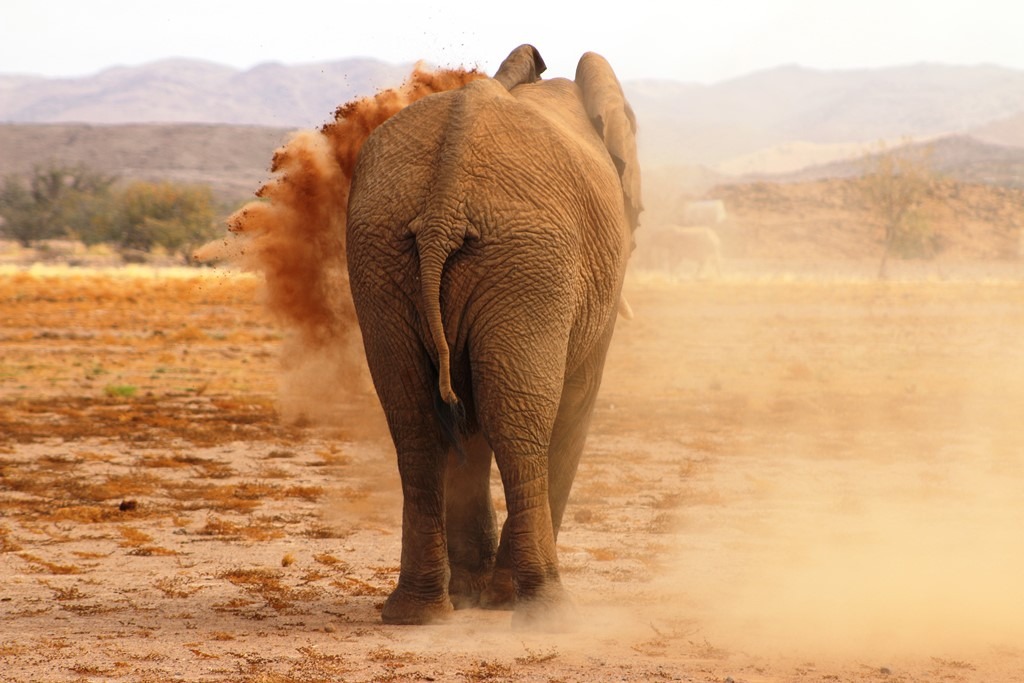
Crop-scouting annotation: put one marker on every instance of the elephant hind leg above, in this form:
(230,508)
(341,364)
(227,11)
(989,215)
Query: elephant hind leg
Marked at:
(568,437)
(405,385)
(471,521)
(421,596)
(516,405)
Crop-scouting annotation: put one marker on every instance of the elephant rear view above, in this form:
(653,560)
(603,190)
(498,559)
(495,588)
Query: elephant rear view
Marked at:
(488,233)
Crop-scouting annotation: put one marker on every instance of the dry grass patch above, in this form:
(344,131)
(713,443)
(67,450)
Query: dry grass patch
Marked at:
(176,587)
(83,514)
(133,537)
(116,669)
(218,498)
(13,649)
(320,530)
(387,655)
(273,473)
(604,554)
(8,544)
(356,587)
(51,482)
(140,543)
(228,530)
(267,585)
(150,420)
(316,666)
(489,671)
(308,493)
(330,560)
(537,656)
(332,456)
(64,593)
(41,565)
(90,555)
(85,610)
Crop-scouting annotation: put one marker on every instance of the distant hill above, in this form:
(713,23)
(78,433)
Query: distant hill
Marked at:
(1008,131)
(711,125)
(233,160)
(774,120)
(193,91)
(956,157)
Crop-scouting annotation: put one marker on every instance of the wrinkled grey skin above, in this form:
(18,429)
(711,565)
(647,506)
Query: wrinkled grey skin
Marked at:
(488,233)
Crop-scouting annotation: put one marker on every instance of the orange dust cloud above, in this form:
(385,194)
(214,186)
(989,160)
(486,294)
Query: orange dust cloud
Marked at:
(294,234)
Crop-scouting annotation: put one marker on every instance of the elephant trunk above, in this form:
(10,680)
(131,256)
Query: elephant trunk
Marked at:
(432,255)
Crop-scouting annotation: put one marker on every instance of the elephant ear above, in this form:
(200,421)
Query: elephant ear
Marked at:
(523,65)
(615,122)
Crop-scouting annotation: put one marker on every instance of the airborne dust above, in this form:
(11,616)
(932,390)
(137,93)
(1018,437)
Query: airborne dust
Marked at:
(294,235)
(859,480)
(862,492)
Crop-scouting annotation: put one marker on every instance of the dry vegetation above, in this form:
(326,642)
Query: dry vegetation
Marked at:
(788,479)
(827,222)
(828,219)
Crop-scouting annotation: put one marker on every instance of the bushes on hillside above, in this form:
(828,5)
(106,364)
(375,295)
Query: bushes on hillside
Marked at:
(78,203)
(54,202)
(146,215)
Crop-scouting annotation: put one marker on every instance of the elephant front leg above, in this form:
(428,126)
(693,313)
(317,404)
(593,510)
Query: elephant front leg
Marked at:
(421,596)
(471,522)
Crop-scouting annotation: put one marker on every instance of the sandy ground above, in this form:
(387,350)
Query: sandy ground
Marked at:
(788,479)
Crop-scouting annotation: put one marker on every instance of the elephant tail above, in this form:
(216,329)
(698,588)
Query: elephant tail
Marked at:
(434,251)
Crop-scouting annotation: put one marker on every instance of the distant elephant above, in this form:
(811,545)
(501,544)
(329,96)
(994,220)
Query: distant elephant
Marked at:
(488,233)
(671,245)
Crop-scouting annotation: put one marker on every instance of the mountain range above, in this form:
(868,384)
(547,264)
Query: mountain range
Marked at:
(194,91)
(778,120)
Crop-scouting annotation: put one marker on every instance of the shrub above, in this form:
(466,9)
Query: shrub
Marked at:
(77,203)
(164,214)
(54,202)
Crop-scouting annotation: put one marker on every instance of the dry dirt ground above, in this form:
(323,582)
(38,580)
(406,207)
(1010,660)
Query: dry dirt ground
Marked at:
(788,479)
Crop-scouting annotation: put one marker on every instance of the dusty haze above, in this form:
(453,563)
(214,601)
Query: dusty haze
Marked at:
(875,511)
(863,477)
(794,473)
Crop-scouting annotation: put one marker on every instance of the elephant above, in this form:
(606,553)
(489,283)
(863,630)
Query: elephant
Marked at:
(488,233)
(699,244)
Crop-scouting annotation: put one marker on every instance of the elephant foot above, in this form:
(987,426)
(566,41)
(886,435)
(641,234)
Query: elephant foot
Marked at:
(500,592)
(466,587)
(551,613)
(401,608)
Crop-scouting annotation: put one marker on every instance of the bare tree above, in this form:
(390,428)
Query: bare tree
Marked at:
(896,187)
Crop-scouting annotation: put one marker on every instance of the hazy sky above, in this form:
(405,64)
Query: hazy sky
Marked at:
(705,41)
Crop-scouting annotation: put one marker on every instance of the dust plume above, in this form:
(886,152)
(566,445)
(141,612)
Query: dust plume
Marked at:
(294,234)
(869,510)
(840,564)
